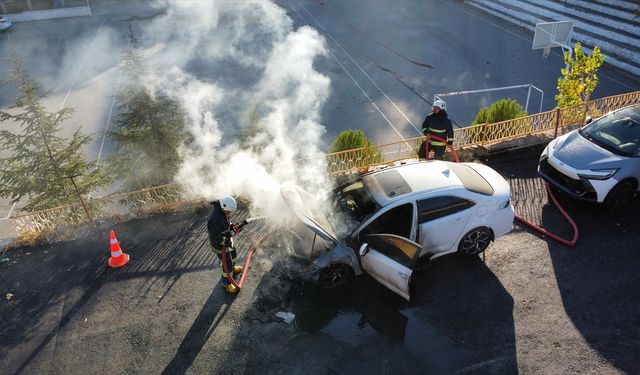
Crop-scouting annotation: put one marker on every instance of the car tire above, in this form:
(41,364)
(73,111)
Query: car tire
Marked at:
(475,241)
(335,275)
(619,196)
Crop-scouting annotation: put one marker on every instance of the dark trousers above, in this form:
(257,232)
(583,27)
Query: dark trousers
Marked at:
(438,151)
(231,262)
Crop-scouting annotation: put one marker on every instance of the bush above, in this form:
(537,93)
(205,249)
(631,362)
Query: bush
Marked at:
(503,109)
(354,139)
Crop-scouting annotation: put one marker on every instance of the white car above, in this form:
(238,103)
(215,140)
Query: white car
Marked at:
(399,214)
(4,23)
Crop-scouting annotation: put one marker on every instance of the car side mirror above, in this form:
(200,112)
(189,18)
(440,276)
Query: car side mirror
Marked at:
(364,249)
(588,120)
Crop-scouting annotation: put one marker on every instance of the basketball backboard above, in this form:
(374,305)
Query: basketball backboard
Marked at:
(552,34)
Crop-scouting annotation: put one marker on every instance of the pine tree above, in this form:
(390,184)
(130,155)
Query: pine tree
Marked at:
(43,167)
(149,129)
(580,79)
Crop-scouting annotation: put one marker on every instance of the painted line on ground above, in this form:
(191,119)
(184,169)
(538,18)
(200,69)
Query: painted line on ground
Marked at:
(362,70)
(355,82)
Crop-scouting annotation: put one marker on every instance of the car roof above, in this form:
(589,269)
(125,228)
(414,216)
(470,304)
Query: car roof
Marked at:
(391,184)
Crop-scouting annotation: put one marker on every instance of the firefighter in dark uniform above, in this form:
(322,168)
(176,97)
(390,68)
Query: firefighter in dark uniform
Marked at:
(220,233)
(438,124)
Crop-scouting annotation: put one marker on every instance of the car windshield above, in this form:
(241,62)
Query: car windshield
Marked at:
(618,132)
(355,202)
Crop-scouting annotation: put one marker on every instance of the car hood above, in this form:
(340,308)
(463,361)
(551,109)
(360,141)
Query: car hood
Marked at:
(580,153)
(304,205)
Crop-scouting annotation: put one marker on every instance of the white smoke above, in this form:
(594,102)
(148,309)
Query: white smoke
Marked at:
(267,70)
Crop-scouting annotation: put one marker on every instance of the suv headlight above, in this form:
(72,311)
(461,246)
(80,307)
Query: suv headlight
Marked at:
(599,174)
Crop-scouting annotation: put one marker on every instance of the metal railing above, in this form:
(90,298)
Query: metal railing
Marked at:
(360,159)
(30,225)
(166,197)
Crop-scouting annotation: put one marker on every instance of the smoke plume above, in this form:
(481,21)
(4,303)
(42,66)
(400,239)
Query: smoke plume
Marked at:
(246,79)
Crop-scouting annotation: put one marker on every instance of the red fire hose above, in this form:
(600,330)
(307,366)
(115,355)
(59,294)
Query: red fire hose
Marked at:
(247,262)
(563,241)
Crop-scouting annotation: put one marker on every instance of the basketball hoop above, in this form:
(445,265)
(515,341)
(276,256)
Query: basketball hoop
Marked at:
(548,35)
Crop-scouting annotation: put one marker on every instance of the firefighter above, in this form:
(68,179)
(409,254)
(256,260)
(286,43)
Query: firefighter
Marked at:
(220,233)
(438,124)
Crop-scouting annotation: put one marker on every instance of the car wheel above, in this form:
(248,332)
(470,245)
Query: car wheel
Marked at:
(619,196)
(335,275)
(475,241)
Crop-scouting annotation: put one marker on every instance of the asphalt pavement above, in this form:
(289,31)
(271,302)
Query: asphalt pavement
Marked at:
(531,305)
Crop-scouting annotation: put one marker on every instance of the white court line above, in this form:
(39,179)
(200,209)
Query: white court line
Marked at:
(356,83)
(359,67)
(529,41)
(113,102)
(9,214)
(84,62)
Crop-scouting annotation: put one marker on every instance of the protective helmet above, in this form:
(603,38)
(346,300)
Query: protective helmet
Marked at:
(228,204)
(440,104)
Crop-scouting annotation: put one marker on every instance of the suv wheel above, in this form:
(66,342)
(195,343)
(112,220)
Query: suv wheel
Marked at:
(619,196)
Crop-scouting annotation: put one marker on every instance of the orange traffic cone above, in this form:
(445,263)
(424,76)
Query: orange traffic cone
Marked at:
(118,257)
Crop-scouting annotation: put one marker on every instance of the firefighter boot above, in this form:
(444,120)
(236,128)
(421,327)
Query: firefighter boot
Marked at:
(237,270)
(232,289)
(228,285)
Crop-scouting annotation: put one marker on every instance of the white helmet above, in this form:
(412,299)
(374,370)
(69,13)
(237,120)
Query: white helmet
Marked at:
(440,104)
(228,204)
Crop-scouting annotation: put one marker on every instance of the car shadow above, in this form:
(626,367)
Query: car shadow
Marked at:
(598,278)
(460,318)
(463,317)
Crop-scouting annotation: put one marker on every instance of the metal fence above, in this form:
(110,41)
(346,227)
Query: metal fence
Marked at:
(132,204)
(482,134)
(29,225)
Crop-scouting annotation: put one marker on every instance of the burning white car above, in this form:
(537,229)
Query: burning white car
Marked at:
(399,214)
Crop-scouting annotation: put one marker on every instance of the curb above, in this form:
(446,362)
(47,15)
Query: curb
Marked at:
(37,15)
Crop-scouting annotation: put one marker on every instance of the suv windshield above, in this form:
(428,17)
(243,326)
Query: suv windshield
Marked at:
(618,132)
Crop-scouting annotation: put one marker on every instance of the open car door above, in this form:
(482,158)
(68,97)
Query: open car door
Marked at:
(390,259)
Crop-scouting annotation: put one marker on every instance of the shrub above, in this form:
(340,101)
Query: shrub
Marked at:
(502,110)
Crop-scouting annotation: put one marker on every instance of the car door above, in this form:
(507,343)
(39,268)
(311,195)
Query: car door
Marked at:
(389,259)
(441,221)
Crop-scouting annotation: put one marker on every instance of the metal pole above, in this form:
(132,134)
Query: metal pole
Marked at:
(526,106)
(555,133)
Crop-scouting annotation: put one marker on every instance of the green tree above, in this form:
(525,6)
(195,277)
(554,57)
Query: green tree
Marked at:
(502,110)
(353,139)
(580,79)
(149,130)
(43,167)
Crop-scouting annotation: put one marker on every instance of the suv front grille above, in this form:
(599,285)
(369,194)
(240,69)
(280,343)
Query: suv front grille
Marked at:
(579,188)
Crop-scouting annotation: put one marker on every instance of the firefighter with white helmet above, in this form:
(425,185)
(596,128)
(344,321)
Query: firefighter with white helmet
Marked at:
(220,233)
(438,124)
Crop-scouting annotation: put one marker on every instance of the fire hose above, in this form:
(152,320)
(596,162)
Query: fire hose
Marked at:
(563,241)
(247,262)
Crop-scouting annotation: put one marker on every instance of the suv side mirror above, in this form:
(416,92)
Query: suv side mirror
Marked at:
(587,120)
(364,249)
